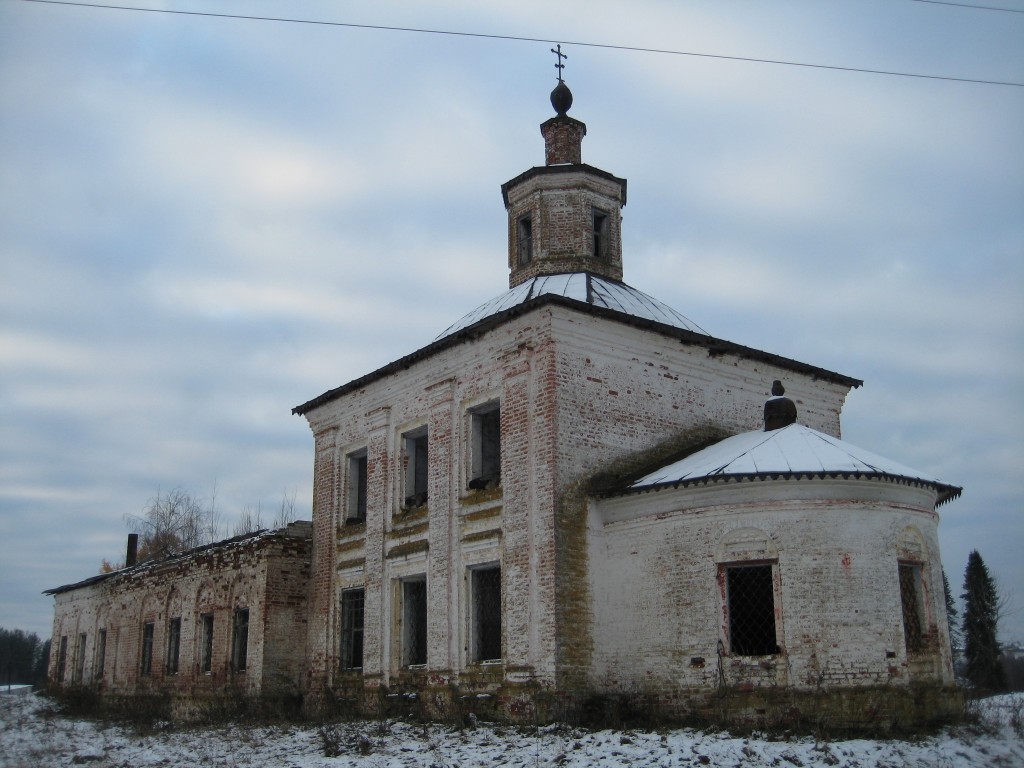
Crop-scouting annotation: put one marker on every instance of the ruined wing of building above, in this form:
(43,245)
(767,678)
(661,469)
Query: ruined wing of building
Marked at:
(573,499)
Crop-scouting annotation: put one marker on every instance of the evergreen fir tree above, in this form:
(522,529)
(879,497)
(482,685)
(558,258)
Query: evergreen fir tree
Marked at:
(952,615)
(981,615)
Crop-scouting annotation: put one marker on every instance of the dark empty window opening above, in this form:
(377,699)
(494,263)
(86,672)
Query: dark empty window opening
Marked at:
(486,447)
(414,622)
(352,629)
(80,659)
(62,659)
(524,240)
(910,597)
(173,645)
(206,642)
(486,627)
(146,665)
(356,511)
(751,603)
(240,641)
(602,227)
(416,469)
(101,654)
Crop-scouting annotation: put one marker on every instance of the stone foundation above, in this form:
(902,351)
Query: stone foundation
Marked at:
(876,710)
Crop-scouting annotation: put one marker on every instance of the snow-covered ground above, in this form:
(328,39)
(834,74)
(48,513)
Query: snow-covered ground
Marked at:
(32,734)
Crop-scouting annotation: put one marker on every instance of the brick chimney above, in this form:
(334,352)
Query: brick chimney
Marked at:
(132,555)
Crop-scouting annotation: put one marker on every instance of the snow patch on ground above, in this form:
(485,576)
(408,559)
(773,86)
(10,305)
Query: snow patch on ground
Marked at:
(32,733)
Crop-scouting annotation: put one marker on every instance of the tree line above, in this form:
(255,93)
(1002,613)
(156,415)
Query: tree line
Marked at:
(23,658)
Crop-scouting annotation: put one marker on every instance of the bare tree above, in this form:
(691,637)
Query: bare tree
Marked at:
(249,521)
(175,521)
(217,524)
(172,522)
(286,512)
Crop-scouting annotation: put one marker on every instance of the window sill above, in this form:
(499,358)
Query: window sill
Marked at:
(740,658)
(410,514)
(473,496)
(487,664)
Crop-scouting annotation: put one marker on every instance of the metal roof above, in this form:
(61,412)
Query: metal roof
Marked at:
(585,287)
(792,451)
(584,292)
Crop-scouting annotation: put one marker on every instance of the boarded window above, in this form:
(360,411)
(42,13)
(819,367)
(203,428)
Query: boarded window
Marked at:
(910,597)
(146,658)
(62,659)
(206,642)
(524,240)
(751,606)
(352,629)
(240,641)
(414,622)
(416,468)
(173,645)
(485,423)
(602,228)
(356,505)
(101,655)
(485,587)
(80,659)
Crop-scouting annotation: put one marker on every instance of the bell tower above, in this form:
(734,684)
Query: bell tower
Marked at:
(564,216)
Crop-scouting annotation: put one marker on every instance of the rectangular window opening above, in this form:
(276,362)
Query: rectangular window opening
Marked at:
(910,597)
(485,586)
(414,622)
(62,659)
(206,642)
(416,469)
(486,447)
(146,662)
(101,654)
(173,645)
(240,641)
(356,506)
(601,233)
(751,606)
(80,659)
(352,628)
(524,240)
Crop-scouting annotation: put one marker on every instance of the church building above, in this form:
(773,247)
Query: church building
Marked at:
(575,502)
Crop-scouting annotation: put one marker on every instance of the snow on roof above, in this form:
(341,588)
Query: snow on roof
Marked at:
(585,287)
(793,450)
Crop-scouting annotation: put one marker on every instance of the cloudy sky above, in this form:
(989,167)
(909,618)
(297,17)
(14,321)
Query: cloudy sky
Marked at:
(206,221)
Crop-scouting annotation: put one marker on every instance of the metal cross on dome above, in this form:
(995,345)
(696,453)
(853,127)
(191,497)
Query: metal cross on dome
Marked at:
(560,66)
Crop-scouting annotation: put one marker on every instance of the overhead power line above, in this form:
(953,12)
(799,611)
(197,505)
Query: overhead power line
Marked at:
(968,5)
(517,38)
